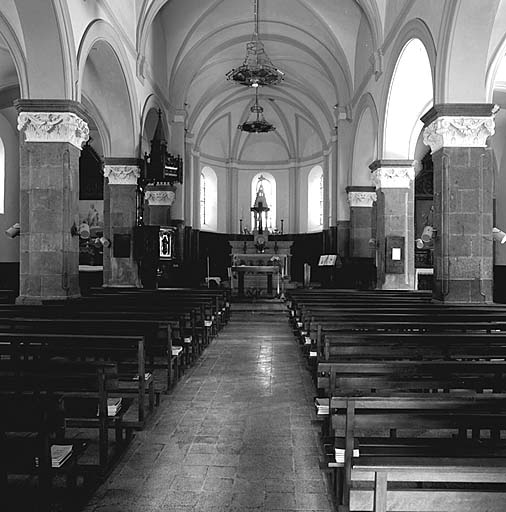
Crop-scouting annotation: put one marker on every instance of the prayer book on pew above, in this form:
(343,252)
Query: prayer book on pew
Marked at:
(322,406)
(60,453)
(339,454)
(113,406)
(147,376)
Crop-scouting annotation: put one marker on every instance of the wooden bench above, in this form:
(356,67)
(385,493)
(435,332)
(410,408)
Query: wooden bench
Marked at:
(126,351)
(47,320)
(85,388)
(468,468)
(29,426)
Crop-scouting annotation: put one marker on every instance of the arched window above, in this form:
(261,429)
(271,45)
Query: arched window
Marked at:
(267,182)
(202,199)
(315,188)
(409,97)
(2,177)
(208,199)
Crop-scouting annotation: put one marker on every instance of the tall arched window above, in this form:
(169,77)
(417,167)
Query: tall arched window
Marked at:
(208,199)
(409,97)
(315,188)
(2,177)
(202,199)
(268,183)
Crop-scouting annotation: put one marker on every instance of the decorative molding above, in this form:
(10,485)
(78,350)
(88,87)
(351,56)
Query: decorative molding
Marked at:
(122,174)
(160,197)
(361,199)
(53,127)
(459,132)
(393,177)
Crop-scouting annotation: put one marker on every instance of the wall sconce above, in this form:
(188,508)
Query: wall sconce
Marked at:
(13,231)
(105,241)
(427,234)
(373,243)
(498,235)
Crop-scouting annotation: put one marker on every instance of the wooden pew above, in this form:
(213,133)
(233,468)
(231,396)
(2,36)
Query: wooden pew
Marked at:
(85,388)
(126,351)
(419,461)
(157,333)
(29,425)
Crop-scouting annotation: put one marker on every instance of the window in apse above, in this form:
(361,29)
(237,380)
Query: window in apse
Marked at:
(268,183)
(2,177)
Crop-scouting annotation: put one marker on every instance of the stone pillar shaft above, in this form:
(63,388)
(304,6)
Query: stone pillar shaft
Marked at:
(54,132)
(463,201)
(394,181)
(120,217)
(361,200)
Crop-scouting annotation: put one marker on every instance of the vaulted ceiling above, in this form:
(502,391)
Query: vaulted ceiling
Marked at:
(322,47)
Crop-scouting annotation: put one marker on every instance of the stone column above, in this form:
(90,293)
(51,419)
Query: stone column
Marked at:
(159,200)
(120,218)
(54,131)
(394,182)
(361,200)
(463,209)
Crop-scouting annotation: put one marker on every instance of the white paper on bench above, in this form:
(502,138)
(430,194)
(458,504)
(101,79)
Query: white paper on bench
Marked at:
(147,376)
(322,405)
(176,350)
(339,454)
(307,340)
(188,339)
(208,323)
(312,353)
(60,454)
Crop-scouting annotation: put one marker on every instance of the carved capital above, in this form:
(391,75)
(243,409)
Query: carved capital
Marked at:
(122,174)
(361,199)
(53,127)
(459,132)
(160,197)
(393,177)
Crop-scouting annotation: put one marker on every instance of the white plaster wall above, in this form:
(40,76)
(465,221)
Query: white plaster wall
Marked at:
(9,248)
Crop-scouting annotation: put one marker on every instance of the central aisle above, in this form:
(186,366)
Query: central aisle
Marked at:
(236,434)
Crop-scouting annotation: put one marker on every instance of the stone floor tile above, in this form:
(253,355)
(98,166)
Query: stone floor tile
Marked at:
(237,433)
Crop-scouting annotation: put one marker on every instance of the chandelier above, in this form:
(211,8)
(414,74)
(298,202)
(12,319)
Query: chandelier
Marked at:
(259,124)
(257,69)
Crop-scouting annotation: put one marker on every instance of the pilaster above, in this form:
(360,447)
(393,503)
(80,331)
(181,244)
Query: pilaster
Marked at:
(463,201)
(394,182)
(52,134)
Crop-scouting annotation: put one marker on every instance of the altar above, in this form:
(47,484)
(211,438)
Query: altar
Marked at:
(260,274)
(256,280)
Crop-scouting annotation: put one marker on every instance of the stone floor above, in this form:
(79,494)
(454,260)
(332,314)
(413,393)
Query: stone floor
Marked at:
(235,435)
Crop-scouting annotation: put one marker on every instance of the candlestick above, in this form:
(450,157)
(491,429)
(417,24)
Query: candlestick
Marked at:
(282,226)
(240,226)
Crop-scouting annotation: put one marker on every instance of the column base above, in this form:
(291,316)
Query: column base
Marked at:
(464,291)
(396,282)
(29,300)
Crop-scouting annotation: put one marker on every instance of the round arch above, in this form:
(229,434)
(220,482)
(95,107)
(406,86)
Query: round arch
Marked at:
(365,146)
(8,34)
(118,93)
(400,129)
(463,54)
(48,38)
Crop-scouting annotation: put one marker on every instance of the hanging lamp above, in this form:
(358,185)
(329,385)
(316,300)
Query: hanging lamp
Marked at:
(258,124)
(257,69)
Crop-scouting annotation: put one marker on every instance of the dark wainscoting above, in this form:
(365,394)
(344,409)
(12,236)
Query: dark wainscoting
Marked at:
(500,283)
(9,276)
